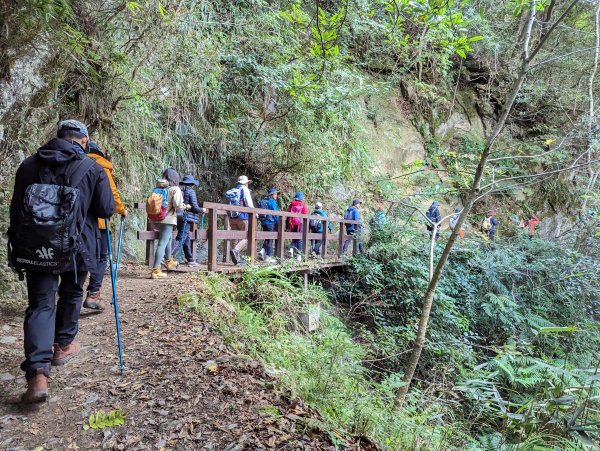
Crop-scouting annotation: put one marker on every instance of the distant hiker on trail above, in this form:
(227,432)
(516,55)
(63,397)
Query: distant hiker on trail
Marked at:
(355,230)
(295,224)
(240,195)
(489,224)
(434,215)
(92,300)
(190,216)
(316,226)
(454,221)
(378,221)
(162,206)
(530,224)
(57,253)
(268,223)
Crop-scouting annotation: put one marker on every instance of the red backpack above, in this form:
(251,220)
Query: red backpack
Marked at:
(296,222)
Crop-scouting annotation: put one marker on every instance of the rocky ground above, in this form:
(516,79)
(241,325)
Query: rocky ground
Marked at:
(183,388)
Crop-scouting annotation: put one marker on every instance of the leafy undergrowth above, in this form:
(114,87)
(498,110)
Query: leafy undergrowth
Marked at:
(260,316)
(513,344)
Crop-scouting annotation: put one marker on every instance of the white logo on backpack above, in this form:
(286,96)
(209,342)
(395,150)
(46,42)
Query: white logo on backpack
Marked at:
(44,253)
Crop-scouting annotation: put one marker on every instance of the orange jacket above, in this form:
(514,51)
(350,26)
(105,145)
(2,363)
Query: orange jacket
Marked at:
(108,168)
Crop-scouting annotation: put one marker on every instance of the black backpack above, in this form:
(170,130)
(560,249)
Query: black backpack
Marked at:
(264,204)
(49,223)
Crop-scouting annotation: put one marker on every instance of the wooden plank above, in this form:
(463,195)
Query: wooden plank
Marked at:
(212,239)
(280,245)
(222,208)
(151,235)
(305,243)
(251,249)
(149,245)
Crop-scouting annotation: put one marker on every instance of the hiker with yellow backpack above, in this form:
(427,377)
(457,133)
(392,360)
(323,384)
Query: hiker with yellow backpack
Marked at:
(489,225)
(161,207)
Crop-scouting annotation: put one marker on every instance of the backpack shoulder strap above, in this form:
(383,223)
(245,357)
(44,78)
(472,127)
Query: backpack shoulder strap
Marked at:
(80,170)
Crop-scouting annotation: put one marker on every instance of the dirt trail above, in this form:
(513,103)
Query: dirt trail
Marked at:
(172,397)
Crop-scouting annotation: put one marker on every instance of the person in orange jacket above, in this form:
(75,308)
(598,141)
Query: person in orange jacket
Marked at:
(92,300)
(531,223)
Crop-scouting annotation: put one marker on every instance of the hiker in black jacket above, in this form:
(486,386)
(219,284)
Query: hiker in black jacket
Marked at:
(51,327)
(191,217)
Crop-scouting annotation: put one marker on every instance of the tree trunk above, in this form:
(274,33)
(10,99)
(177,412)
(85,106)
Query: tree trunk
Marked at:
(472,196)
(592,114)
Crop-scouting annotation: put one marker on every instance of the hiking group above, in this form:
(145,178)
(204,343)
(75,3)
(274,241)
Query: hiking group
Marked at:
(166,204)
(489,224)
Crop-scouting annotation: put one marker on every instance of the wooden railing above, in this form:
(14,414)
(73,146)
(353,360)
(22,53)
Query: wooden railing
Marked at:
(218,215)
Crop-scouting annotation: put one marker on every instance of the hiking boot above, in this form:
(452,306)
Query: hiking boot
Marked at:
(291,252)
(62,354)
(235,257)
(37,388)
(193,264)
(299,258)
(261,254)
(171,264)
(157,274)
(92,301)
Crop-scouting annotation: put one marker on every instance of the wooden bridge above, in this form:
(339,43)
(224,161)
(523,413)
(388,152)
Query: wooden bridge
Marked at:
(219,234)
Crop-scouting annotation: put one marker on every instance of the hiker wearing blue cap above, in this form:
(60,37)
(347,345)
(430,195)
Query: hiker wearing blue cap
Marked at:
(295,224)
(355,230)
(61,184)
(268,222)
(188,184)
(434,215)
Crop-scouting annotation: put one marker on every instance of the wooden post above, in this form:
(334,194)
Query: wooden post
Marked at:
(305,277)
(149,245)
(341,240)
(212,239)
(305,244)
(227,243)
(251,249)
(324,239)
(280,251)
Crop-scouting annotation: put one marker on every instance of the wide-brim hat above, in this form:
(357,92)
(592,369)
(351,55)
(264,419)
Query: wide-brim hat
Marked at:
(189,180)
(244,180)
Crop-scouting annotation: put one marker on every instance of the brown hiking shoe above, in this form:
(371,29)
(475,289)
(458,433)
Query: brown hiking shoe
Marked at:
(92,301)
(37,388)
(62,354)
(171,264)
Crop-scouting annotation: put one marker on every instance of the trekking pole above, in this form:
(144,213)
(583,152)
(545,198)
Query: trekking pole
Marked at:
(121,230)
(183,238)
(115,302)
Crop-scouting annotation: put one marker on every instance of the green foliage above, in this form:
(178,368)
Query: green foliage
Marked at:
(325,367)
(510,329)
(100,420)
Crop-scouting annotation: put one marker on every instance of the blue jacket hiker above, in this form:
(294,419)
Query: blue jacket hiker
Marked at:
(317,227)
(353,214)
(434,215)
(191,217)
(268,222)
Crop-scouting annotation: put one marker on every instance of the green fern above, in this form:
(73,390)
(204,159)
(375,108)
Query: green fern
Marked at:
(100,420)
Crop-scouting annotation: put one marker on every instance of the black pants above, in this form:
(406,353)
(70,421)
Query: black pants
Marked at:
(96,277)
(355,237)
(187,245)
(268,244)
(46,321)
